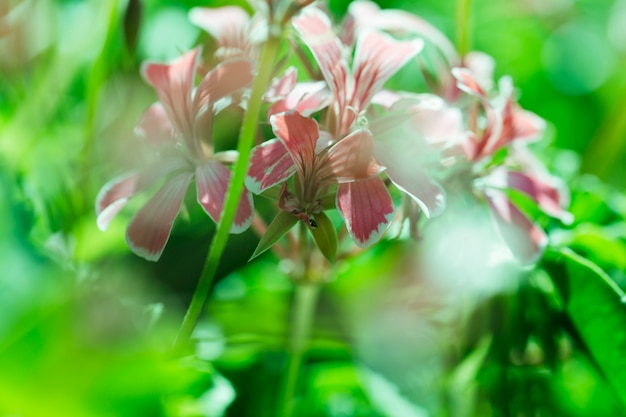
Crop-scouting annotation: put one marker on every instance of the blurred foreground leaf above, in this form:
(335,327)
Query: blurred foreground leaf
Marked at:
(595,305)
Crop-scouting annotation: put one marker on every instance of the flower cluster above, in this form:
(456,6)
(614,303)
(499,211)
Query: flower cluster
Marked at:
(342,140)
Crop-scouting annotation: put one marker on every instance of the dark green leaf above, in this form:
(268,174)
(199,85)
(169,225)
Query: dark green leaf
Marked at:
(325,236)
(277,229)
(595,304)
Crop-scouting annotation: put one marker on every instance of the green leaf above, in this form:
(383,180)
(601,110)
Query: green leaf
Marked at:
(325,236)
(595,304)
(277,229)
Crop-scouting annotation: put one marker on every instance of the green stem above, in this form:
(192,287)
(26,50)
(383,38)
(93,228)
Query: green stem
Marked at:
(462,23)
(303,311)
(246,141)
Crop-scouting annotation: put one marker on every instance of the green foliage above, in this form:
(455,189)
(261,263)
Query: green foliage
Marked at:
(85,327)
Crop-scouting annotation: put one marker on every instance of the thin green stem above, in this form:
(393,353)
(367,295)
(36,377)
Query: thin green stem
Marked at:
(463,25)
(303,312)
(218,244)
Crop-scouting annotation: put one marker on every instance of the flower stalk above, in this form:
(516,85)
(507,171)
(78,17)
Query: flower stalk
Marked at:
(245,144)
(305,300)
(463,26)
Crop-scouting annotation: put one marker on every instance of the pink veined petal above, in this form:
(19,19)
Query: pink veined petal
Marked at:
(212,180)
(228,25)
(520,124)
(467,82)
(270,164)
(299,135)
(150,229)
(428,195)
(173,83)
(547,196)
(367,209)
(376,59)
(316,31)
(155,126)
(368,15)
(305,98)
(223,80)
(114,195)
(281,86)
(352,158)
(491,139)
(524,238)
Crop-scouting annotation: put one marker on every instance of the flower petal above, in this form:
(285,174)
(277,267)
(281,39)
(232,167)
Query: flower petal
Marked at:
(114,195)
(173,83)
(281,86)
(150,229)
(299,135)
(376,59)
(223,80)
(305,98)
(270,164)
(547,196)
(316,31)
(367,209)
(228,25)
(212,180)
(352,158)
(155,126)
(428,195)
(524,238)
(467,82)
(363,15)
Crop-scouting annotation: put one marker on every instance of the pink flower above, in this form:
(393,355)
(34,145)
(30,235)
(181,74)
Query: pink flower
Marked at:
(376,58)
(413,139)
(509,127)
(180,124)
(362,198)
(237,35)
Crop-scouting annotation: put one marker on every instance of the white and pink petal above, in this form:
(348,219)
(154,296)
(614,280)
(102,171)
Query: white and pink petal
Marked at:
(270,164)
(377,58)
(150,228)
(524,238)
(366,208)
(299,134)
(429,196)
(212,180)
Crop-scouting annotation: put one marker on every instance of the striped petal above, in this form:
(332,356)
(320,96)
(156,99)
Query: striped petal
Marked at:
(115,194)
(305,98)
(228,25)
(173,83)
(467,82)
(376,59)
(352,157)
(299,135)
(428,195)
(524,238)
(270,164)
(316,31)
(155,126)
(212,179)
(281,86)
(547,196)
(224,80)
(150,229)
(367,209)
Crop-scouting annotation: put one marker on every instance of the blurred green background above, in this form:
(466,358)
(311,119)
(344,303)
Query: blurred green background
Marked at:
(85,325)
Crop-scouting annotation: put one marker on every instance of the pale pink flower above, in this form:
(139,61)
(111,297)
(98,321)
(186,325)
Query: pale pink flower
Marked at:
(361,196)
(180,124)
(508,126)
(377,57)
(237,34)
